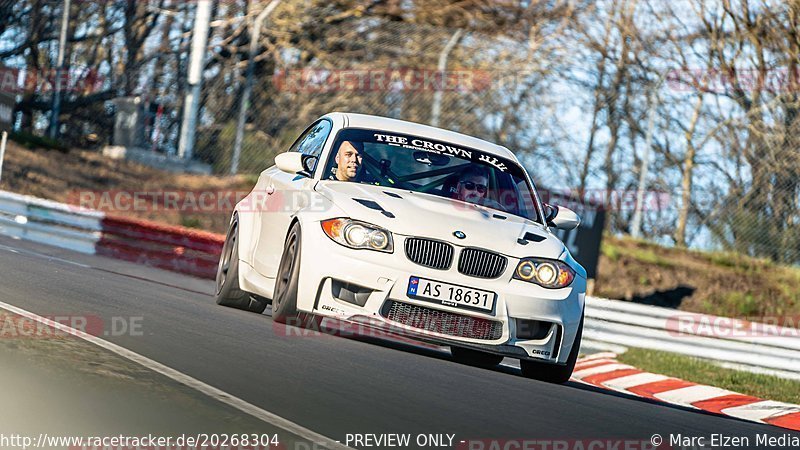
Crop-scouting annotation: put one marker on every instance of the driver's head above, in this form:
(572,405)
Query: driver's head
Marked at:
(472,184)
(348,160)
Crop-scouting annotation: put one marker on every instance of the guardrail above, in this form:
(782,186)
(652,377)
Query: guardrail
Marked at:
(177,249)
(751,346)
(610,324)
(49,222)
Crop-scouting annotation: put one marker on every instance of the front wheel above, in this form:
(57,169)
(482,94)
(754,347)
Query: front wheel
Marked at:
(553,373)
(284,303)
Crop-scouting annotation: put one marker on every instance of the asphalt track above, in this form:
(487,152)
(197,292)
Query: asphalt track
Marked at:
(331,385)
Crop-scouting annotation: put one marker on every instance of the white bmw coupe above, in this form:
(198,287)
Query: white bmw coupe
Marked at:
(422,231)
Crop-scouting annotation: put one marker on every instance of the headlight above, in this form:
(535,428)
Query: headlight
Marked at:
(545,272)
(354,234)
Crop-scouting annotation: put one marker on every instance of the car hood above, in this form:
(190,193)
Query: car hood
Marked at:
(415,214)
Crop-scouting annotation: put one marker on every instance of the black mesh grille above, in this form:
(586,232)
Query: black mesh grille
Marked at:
(443,322)
(481,263)
(429,253)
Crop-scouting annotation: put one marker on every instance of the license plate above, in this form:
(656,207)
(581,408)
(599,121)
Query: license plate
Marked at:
(450,294)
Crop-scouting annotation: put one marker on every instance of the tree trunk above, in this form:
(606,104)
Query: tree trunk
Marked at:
(686,179)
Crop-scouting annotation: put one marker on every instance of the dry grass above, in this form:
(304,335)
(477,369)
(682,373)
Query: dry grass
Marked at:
(724,284)
(64,176)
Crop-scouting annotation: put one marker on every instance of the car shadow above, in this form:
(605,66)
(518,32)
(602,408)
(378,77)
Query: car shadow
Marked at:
(668,298)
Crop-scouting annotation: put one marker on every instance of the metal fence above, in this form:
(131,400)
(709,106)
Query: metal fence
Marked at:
(425,74)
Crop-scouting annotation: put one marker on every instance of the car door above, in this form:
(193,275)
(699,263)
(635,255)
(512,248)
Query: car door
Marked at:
(289,193)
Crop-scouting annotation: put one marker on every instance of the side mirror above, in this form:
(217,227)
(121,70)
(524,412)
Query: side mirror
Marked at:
(296,163)
(560,217)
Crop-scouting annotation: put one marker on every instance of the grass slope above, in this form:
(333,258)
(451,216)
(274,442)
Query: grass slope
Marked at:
(66,175)
(703,372)
(725,284)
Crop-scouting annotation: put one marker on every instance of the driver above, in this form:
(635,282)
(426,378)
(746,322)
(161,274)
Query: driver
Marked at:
(472,185)
(348,161)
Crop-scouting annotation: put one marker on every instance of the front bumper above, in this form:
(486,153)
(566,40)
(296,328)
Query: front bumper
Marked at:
(375,285)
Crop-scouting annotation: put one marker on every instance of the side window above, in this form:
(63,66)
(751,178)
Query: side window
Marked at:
(312,141)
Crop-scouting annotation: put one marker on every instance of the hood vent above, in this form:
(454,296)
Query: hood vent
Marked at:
(369,204)
(374,205)
(533,237)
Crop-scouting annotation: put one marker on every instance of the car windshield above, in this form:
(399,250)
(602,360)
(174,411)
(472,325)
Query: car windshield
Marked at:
(425,165)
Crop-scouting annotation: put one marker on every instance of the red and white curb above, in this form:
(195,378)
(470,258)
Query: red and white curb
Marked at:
(604,371)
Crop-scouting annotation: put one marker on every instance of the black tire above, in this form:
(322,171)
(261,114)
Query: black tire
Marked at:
(284,302)
(228,291)
(475,358)
(554,373)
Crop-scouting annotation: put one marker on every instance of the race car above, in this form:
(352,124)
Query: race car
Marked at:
(425,232)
